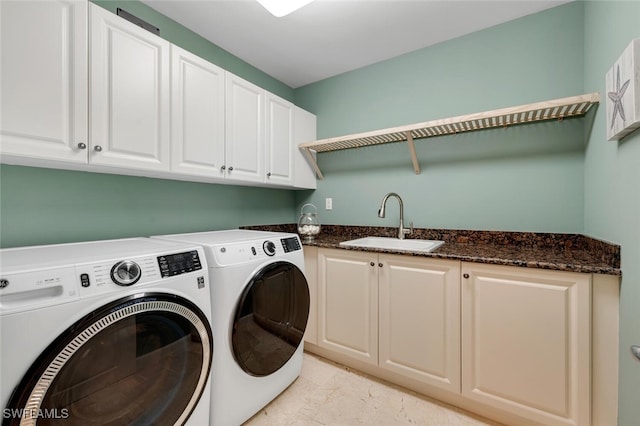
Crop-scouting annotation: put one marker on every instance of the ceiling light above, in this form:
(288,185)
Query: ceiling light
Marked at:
(279,8)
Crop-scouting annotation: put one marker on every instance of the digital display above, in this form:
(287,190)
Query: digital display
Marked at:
(179,263)
(290,244)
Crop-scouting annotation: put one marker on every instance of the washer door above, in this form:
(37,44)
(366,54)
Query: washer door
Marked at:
(270,319)
(141,360)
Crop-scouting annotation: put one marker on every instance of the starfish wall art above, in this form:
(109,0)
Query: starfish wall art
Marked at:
(623,93)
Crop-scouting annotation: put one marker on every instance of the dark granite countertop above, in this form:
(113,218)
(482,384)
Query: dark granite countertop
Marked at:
(561,252)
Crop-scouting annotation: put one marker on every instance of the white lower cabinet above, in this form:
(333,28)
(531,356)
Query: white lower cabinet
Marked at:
(526,342)
(397,312)
(419,319)
(511,343)
(348,303)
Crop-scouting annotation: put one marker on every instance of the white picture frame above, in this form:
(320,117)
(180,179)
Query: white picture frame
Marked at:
(622,84)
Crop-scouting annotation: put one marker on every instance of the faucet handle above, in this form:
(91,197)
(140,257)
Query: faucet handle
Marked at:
(408,231)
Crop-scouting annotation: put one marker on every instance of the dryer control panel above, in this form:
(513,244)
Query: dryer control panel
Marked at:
(247,251)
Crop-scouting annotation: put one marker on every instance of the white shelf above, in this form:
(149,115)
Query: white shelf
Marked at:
(556,109)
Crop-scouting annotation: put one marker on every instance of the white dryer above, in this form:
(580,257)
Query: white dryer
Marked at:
(260,306)
(110,332)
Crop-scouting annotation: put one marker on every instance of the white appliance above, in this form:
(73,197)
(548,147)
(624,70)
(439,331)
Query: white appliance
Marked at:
(109,332)
(260,305)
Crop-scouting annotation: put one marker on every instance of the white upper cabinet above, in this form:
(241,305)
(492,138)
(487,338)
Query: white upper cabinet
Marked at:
(304,130)
(244,130)
(44,80)
(130,86)
(260,135)
(82,88)
(197,115)
(279,140)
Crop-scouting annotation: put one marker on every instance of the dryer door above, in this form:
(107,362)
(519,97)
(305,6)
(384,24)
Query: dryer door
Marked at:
(270,319)
(141,360)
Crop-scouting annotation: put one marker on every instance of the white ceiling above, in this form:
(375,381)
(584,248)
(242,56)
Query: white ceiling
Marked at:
(329,37)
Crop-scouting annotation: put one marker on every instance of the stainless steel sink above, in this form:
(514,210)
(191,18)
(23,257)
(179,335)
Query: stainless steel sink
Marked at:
(423,246)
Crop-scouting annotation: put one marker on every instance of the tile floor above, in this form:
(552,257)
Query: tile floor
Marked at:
(330,394)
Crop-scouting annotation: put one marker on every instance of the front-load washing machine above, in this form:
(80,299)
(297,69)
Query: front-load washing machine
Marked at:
(260,306)
(105,333)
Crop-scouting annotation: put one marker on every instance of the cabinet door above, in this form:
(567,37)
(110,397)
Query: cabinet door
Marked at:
(279,140)
(348,303)
(197,115)
(44,79)
(244,130)
(526,342)
(420,319)
(304,130)
(129,94)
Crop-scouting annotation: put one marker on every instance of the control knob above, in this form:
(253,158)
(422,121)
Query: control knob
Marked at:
(126,273)
(269,248)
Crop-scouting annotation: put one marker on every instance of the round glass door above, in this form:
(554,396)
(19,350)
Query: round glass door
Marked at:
(142,360)
(270,319)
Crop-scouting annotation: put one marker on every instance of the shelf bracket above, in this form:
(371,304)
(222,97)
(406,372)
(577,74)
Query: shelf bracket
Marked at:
(412,151)
(312,162)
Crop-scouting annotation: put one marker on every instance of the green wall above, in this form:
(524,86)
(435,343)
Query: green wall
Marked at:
(44,206)
(612,184)
(527,178)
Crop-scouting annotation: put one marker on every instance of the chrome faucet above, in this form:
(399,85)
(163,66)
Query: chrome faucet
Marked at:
(401,229)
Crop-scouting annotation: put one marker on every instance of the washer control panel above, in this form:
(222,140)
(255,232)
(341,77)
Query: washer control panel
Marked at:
(85,270)
(179,263)
(107,276)
(290,244)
